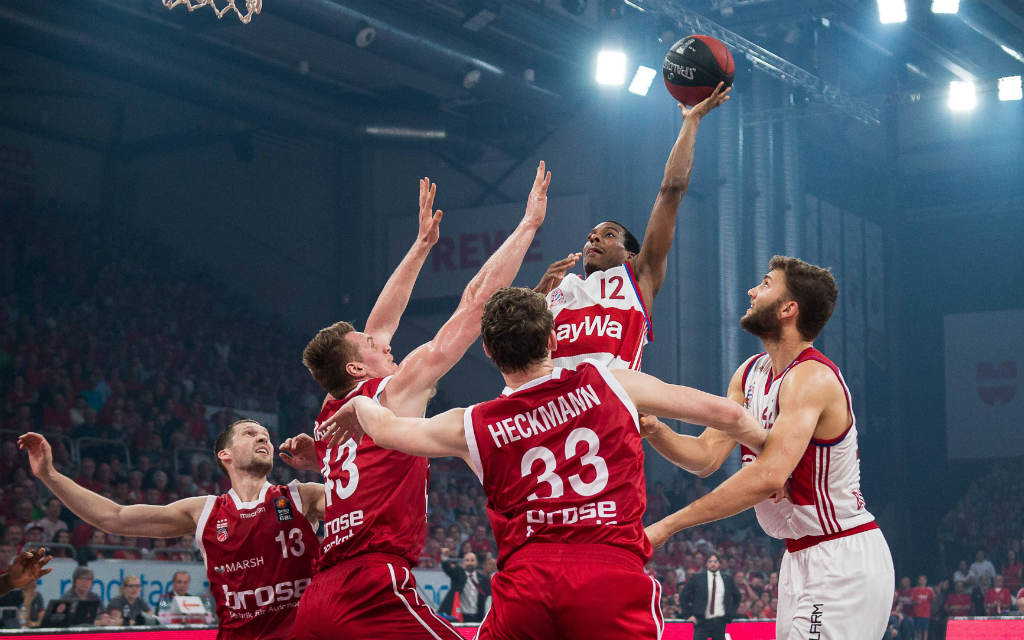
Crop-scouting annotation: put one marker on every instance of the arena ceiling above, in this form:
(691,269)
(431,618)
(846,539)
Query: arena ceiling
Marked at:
(131,76)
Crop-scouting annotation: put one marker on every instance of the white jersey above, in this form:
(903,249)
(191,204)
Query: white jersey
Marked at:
(824,493)
(601,318)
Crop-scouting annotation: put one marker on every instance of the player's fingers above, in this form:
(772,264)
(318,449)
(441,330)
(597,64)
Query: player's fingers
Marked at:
(45,571)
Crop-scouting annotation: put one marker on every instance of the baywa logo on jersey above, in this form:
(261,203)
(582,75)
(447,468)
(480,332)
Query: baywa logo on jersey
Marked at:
(222,530)
(284,510)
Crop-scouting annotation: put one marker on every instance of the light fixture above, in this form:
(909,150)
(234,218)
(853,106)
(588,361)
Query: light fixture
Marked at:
(385,131)
(483,16)
(890,11)
(962,96)
(642,80)
(1009,88)
(365,36)
(1013,53)
(611,68)
(471,79)
(945,6)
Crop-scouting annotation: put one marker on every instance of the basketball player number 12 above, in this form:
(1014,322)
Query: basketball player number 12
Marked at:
(617,283)
(548,475)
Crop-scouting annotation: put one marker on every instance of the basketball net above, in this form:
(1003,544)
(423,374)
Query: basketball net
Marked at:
(251,6)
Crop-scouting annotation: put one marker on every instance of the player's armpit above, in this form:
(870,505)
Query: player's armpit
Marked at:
(313,499)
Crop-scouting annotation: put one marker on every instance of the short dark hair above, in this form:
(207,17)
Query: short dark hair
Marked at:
(515,328)
(223,441)
(326,356)
(81,572)
(629,240)
(814,290)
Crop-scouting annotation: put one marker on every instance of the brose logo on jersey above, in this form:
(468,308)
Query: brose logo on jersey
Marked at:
(591,325)
(265,595)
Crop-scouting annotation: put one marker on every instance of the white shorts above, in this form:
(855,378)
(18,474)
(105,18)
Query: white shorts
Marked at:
(839,589)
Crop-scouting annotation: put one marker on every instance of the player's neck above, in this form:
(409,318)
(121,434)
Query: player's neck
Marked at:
(519,378)
(784,351)
(247,485)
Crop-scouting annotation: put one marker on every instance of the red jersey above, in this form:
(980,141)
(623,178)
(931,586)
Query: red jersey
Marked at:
(997,601)
(259,558)
(906,599)
(376,499)
(922,598)
(561,460)
(958,604)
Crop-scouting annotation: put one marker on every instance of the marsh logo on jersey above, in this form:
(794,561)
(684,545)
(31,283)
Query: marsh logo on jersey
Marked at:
(284,510)
(222,530)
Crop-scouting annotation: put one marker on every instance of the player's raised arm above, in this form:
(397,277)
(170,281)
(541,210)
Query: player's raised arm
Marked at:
(654,397)
(701,455)
(651,263)
(151,521)
(803,397)
(414,383)
(394,297)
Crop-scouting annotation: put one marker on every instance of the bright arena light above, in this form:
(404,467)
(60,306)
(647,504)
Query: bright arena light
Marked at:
(962,96)
(890,11)
(1009,88)
(642,80)
(945,6)
(1013,53)
(611,68)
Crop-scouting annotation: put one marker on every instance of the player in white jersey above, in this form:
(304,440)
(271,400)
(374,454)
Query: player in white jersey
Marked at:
(837,576)
(606,316)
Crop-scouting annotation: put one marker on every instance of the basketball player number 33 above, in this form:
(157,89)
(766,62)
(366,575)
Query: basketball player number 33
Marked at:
(590,458)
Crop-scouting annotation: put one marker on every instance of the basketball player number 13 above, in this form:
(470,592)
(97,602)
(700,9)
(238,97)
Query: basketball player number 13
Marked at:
(616,281)
(548,475)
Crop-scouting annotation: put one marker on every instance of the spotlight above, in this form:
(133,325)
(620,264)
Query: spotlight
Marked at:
(962,96)
(642,80)
(1013,53)
(385,131)
(471,79)
(945,6)
(611,68)
(1009,88)
(890,11)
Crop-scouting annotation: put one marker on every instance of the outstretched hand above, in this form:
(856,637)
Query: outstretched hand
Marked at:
(556,271)
(344,424)
(717,98)
(537,203)
(299,452)
(40,456)
(28,566)
(648,425)
(430,220)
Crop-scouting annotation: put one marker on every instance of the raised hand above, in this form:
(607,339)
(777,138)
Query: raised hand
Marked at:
(430,220)
(537,203)
(299,452)
(40,456)
(344,424)
(717,98)
(28,566)
(556,271)
(648,424)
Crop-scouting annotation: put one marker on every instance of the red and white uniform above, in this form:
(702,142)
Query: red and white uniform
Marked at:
(561,461)
(259,558)
(837,577)
(375,522)
(601,318)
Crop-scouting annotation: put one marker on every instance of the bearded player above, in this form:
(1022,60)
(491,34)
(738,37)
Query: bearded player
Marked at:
(376,500)
(606,316)
(258,540)
(837,575)
(560,458)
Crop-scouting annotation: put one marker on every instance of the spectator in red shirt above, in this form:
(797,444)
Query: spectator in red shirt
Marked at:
(1020,602)
(997,599)
(905,597)
(958,603)
(922,597)
(1012,571)
(87,476)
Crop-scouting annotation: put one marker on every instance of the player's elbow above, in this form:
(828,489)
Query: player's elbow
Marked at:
(771,480)
(673,188)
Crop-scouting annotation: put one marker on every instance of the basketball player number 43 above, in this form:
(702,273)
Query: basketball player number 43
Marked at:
(336,485)
(578,436)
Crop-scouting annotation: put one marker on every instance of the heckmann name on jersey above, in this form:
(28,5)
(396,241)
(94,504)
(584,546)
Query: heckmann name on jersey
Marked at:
(555,413)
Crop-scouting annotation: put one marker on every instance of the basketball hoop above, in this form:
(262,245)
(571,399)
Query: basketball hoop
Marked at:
(251,6)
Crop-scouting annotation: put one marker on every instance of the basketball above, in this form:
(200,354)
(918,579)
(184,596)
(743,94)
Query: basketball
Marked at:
(694,66)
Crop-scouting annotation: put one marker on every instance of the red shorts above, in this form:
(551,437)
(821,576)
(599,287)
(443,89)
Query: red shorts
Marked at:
(371,596)
(566,591)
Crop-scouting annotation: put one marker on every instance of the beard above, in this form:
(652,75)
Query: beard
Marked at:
(764,322)
(257,467)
